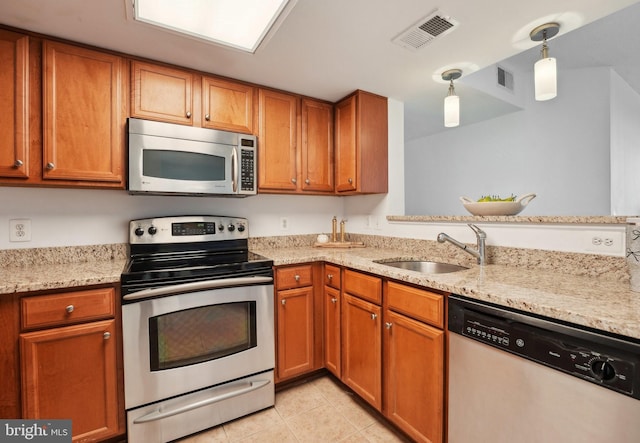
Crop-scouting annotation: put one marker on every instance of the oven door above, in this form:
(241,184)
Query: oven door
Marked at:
(188,341)
(175,166)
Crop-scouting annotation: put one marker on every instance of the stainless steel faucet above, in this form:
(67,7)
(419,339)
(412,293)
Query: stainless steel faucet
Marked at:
(481,236)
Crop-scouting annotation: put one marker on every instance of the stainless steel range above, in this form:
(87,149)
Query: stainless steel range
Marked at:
(197,312)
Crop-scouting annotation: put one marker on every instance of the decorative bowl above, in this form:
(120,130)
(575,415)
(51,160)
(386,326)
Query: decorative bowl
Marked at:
(497,207)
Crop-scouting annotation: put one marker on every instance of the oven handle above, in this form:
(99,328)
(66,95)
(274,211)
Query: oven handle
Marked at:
(158,415)
(197,286)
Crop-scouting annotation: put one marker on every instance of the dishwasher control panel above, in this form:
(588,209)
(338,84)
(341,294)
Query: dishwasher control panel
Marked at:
(598,361)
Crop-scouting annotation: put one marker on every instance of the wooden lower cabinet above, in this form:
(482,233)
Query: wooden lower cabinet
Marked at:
(362,348)
(68,351)
(414,377)
(332,358)
(295,332)
(71,372)
(298,317)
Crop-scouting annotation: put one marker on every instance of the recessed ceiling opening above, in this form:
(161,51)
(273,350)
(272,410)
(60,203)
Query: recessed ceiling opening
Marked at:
(241,25)
(425,31)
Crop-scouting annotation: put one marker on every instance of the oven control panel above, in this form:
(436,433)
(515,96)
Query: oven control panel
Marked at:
(187,229)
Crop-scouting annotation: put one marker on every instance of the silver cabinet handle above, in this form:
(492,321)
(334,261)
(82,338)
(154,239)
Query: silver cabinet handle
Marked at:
(388,325)
(297,278)
(350,180)
(50,166)
(207,117)
(294,181)
(374,316)
(307,181)
(334,300)
(17,163)
(69,309)
(283,302)
(188,114)
(106,335)
(330,276)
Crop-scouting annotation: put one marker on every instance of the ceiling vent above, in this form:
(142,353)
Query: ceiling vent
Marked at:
(425,31)
(505,78)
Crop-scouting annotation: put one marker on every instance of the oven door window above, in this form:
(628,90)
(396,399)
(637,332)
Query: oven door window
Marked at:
(201,334)
(183,165)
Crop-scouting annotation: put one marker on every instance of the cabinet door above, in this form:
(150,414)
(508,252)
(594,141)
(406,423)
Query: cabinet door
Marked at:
(71,372)
(161,93)
(414,377)
(362,349)
(83,115)
(332,360)
(317,146)
(227,105)
(346,145)
(295,332)
(277,167)
(14,117)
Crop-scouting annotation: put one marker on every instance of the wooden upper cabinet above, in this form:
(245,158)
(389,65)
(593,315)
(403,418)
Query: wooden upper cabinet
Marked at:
(317,146)
(277,141)
(227,105)
(161,93)
(14,98)
(84,111)
(361,150)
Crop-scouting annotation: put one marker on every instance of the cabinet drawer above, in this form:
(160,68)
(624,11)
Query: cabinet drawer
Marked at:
(67,308)
(293,277)
(332,276)
(417,303)
(363,286)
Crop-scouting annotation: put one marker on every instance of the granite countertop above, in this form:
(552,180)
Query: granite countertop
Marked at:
(604,304)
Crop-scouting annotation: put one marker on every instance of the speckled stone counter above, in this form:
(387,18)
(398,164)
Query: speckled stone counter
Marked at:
(60,267)
(601,303)
(593,292)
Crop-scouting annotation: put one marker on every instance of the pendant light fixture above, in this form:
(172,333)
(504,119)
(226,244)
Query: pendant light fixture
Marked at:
(451,101)
(545,73)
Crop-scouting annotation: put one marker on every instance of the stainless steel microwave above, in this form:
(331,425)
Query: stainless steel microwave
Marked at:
(170,159)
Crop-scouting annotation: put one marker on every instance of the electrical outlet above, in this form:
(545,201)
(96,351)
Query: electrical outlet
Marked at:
(19,230)
(284,224)
(605,242)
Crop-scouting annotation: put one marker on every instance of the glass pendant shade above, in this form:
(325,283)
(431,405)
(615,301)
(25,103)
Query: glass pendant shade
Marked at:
(451,111)
(545,79)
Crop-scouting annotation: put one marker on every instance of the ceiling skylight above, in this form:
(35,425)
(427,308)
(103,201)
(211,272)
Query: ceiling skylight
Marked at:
(239,24)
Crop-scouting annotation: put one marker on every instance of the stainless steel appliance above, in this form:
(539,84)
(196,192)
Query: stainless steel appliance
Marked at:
(198,327)
(516,377)
(172,159)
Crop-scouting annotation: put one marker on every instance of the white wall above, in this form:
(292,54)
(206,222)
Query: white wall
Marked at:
(558,149)
(625,147)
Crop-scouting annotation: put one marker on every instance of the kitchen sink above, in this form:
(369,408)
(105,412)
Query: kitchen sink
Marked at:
(428,267)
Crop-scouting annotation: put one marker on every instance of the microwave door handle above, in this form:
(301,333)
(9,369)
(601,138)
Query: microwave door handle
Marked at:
(234,170)
(197,286)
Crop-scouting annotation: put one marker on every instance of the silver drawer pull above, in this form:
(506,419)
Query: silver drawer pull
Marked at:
(330,276)
(106,335)
(207,117)
(69,309)
(50,166)
(307,182)
(283,302)
(296,278)
(17,163)
(188,114)
(334,300)
(388,325)
(374,316)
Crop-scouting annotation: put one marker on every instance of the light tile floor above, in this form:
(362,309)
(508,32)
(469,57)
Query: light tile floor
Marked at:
(316,411)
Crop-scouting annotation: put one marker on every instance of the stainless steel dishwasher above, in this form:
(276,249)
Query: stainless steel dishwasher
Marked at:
(517,377)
